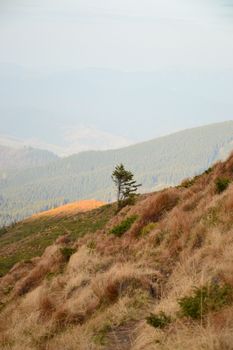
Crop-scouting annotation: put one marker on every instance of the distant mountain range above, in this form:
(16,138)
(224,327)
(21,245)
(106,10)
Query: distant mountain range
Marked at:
(32,180)
(22,158)
(58,108)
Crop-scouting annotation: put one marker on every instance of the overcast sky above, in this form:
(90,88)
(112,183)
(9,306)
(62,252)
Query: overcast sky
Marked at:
(122,34)
(195,36)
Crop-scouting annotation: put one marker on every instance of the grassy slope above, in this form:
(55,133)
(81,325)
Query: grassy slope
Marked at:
(96,292)
(30,237)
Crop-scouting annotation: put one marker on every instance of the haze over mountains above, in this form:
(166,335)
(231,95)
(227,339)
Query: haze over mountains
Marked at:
(20,158)
(68,112)
(28,189)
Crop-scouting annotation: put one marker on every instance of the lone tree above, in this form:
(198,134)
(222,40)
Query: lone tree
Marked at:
(125,184)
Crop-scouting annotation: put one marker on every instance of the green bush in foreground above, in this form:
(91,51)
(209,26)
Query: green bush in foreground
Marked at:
(67,252)
(188,183)
(204,300)
(100,337)
(221,184)
(208,171)
(3,231)
(160,320)
(124,226)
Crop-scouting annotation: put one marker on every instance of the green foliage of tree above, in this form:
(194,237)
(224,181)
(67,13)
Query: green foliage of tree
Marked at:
(125,184)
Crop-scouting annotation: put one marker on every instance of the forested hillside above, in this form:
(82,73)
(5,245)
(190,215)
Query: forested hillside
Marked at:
(158,163)
(24,157)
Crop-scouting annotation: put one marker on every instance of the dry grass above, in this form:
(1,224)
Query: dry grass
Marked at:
(101,297)
(70,209)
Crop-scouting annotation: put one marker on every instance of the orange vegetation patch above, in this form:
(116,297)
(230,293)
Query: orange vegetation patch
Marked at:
(71,208)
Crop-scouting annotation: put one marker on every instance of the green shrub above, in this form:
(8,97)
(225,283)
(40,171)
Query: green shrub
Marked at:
(91,245)
(148,228)
(160,237)
(67,252)
(212,217)
(188,182)
(160,320)
(50,275)
(208,171)
(131,200)
(204,300)
(3,231)
(101,335)
(7,290)
(124,226)
(221,184)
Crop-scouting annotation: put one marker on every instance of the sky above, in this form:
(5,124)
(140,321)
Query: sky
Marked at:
(116,34)
(78,73)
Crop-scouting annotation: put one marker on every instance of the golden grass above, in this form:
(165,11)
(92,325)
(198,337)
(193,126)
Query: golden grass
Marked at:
(71,209)
(101,297)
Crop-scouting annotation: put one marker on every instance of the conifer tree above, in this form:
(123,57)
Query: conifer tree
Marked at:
(125,184)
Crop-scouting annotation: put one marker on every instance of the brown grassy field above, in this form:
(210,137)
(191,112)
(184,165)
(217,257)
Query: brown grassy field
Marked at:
(157,275)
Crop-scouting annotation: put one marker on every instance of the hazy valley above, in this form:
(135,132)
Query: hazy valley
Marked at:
(33,180)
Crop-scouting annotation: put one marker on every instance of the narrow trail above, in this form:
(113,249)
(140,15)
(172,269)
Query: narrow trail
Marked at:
(122,337)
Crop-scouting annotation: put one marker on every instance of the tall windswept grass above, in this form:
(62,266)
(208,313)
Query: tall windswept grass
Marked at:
(165,283)
(155,208)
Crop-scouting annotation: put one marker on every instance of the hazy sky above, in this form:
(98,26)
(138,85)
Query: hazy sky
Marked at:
(122,34)
(189,38)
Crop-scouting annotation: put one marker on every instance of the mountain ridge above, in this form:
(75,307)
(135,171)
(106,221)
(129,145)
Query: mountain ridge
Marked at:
(24,157)
(156,163)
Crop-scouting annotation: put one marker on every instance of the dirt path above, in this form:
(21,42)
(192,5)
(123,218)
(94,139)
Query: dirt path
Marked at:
(122,337)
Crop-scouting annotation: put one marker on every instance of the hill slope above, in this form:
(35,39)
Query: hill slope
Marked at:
(70,209)
(156,276)
(156,164)
(23,158)
(37,232)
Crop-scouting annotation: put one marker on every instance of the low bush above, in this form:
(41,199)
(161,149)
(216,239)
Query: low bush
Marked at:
(160,237)
(160,320)
(187,183)
(204,300)
(131,200)
(3,231)
(91,245)
(67,252)
(124,226)
(208,171)
(100,337)
(221,184)
(148,228)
